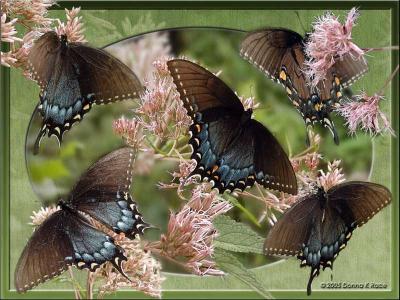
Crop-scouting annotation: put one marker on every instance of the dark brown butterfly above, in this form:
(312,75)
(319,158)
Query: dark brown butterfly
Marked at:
(279,53)
(319,226)
(68,238)
(72,78)
(230,148)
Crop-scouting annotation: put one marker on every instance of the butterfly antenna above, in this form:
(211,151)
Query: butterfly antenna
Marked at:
(301,23)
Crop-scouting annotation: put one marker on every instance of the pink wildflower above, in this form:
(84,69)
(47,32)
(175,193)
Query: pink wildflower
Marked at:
(73,28)
(8,30)
(161,110)
(190,233)
(8,59)
(249,103)
(42,214)
(364,113)
(332,177)
(329,41)
(130,130)
(31,13)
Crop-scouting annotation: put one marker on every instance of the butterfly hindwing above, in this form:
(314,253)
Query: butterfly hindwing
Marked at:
(229,147)
(103,193)
(64,239)
(363,199)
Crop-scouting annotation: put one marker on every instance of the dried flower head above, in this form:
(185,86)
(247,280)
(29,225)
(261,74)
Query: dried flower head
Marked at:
(363,112)
(190,233)
(330,40)
(73,28)
(332,177)
(42,214)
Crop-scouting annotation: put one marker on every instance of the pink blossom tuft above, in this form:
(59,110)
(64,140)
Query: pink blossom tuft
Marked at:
(73,28)
(364,113)
(190,233)
(329,41)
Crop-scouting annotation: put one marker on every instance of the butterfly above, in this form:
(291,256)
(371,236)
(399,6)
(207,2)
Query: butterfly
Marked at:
(319,226)
(279,54)
(68,238)
(231,149)
(72,78)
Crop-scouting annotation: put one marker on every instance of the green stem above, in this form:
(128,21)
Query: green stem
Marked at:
(247,213)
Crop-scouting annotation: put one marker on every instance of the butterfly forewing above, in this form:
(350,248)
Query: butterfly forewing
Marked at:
(363,199)
(200,89)
(103,76)
(103,193)
(42,58)
(267,48)
(292,229)
(44,256)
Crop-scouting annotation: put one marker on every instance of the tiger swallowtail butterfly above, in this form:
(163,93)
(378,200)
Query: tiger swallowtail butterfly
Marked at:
(72,78)
(279,54)
(318,226)
(231,149)
(68,238)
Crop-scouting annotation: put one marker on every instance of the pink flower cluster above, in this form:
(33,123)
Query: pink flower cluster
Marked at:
(332,177)
(363,112)
(161,110)
(130,130)
(190,233)
(73,28)
(330,40)
(32,15)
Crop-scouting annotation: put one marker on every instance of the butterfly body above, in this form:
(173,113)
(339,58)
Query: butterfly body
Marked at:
(68,236)
(317,227)
(73,77)
(279,53)
(231,149)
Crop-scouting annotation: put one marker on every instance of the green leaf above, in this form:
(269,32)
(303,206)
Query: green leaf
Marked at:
(229,263)
(237,237)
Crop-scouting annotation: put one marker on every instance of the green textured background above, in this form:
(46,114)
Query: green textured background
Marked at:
(369,255)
